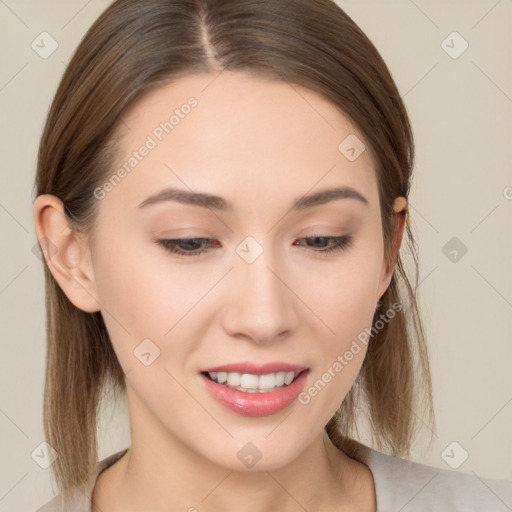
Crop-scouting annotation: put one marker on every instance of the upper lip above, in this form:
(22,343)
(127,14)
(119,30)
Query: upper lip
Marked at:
(257,368)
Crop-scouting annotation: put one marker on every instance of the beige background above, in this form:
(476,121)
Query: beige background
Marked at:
(461,110)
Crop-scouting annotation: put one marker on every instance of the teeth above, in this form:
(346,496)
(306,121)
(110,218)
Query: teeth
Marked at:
(234,379)
(289,377)
(265,382)
(251,383)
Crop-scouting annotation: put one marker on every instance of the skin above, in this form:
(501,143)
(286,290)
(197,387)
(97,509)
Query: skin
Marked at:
(261,145)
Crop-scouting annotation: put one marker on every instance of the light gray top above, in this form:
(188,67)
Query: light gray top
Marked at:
(401,486)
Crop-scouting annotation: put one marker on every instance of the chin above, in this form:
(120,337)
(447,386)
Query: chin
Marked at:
(255,453)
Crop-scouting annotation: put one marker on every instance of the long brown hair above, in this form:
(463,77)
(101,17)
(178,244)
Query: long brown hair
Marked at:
(136,46)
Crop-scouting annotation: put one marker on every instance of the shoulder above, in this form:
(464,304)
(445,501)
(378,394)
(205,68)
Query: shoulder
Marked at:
(401,484)
(80,501)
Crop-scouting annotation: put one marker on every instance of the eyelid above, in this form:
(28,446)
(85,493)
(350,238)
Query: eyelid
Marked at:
(337,244)
(328,229)
(185,232)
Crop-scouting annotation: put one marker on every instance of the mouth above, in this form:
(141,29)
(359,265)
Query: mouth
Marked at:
(251,389)
(254,383)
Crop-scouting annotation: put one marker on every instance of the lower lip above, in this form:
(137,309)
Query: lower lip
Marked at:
(256,404)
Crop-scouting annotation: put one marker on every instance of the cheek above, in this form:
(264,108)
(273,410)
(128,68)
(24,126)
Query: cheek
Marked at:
(357,286)
(136,287)
(145,297)
(132,296)
(343,294)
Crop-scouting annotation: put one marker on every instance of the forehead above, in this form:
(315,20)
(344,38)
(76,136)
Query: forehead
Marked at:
(228,132)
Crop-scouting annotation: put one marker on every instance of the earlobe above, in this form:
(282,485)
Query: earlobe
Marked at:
(66,253)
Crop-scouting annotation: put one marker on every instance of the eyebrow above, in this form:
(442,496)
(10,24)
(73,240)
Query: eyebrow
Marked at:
(219,203)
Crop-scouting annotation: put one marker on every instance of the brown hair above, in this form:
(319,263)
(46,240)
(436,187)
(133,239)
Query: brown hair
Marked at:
(136,46)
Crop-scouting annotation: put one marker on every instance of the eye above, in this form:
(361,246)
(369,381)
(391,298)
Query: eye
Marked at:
(189,246)
(334,243)
(197,246)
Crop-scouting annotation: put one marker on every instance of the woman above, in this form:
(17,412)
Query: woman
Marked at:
(221,198)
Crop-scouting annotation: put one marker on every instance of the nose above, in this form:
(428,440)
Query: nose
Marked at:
(261,306)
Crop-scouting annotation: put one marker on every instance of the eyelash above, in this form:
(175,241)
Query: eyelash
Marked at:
(340,243)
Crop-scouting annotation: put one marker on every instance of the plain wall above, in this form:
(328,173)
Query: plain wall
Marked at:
(461,111)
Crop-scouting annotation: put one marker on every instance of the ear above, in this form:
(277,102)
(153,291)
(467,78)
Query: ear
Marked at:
(66,253)
(388,266)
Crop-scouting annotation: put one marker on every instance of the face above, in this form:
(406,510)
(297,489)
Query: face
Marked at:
(268,281)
